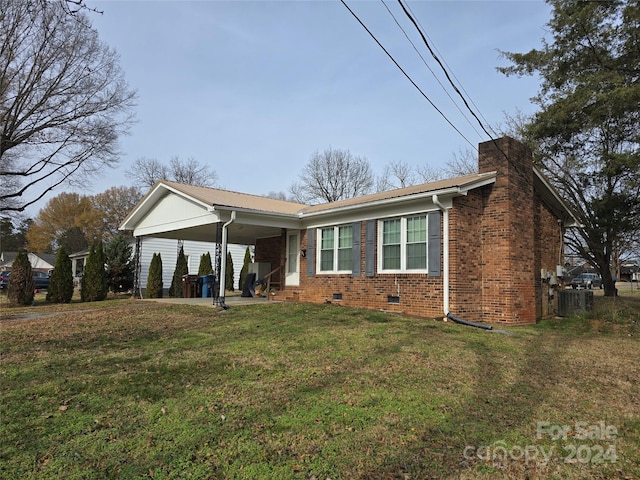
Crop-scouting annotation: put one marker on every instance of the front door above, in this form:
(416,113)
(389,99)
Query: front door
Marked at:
(292,276)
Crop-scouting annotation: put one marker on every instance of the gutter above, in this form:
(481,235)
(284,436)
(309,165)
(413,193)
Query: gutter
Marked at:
(223,261)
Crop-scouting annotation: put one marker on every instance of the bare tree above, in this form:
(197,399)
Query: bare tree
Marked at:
(277,195)
(462,163)
(333,175)
(428,173)
(145,172)
(63,101)
(192,172)
(396,174)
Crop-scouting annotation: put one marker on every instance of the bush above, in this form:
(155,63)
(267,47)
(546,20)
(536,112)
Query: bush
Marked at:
(120,268)
(61,284)
(93,286)
(229,273)
(154,280)
(245,268)
(181,269)
(20,289)
(205,267)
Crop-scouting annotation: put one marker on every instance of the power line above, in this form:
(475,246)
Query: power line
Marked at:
(430,69)
(453,74)
(446,74)
(515,165)
(406,74)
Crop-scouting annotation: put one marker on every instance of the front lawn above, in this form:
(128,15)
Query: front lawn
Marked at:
(136,389)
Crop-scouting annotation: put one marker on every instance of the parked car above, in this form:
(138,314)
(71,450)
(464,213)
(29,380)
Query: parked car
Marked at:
(587,280)
(4,279)
(40,280)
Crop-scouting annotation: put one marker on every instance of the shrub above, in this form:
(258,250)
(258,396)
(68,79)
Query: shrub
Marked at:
(154,280)
(245,268)
(228,279)
(181,269)
(205,267)
(120,268)
(93,286)
(20,289)
(61,284)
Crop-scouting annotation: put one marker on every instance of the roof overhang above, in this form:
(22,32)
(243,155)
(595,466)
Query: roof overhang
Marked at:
(553,200)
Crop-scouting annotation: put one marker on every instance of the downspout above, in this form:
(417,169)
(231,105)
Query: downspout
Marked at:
(445,268)
(223,260)
(445,254)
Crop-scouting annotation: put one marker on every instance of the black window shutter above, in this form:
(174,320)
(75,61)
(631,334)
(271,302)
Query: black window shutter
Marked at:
(370,248)
(433,245)
(357,231)
(311,252)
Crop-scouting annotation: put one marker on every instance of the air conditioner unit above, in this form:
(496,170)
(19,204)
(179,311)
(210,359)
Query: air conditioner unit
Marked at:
(574,301)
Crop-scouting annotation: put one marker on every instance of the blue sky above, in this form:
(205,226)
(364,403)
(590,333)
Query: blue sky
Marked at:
(254,88)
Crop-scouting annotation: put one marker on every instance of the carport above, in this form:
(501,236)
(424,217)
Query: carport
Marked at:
(187,212)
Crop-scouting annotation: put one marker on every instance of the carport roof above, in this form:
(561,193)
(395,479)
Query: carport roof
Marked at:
(226,198)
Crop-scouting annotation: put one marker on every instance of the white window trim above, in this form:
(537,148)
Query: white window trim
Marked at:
(403,246)
(335,251)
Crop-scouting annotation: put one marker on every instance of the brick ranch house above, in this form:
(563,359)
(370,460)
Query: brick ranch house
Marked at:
(485,247)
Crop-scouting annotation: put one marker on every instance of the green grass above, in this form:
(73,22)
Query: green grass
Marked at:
(133,389)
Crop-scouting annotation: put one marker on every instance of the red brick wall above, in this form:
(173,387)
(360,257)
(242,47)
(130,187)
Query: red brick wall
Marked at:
(500,236)
(272,250)
(420,295)
(508,284)
(549,253)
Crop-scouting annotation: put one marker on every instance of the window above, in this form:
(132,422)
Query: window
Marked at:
(336,249)
(404,244)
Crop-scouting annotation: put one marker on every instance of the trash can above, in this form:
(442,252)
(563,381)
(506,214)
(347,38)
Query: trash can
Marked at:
(207,285)
(189,286)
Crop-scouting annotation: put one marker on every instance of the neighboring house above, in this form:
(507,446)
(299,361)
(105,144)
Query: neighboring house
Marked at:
(485,247)
(43,262)
(168,250)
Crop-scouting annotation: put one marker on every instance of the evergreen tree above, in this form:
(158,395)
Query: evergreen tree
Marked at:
(181,269)
(120,267)
(94,281)
(228,279)
(61,285)
(20,289)
(586,136)
(205,267)
(154,280)
(245,268)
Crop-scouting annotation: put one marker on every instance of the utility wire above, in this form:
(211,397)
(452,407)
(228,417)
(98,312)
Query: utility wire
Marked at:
(407,75)
(430,69)
(453,74)
(446,74)
(515,165)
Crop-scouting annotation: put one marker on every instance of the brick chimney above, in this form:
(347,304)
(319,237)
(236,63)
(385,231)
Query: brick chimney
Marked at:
(508,264)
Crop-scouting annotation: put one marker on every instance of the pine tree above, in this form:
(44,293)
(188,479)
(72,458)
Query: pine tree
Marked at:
(94,281)
(61,285)
(154,280)
(245,268)
(120,267)
(205,267)
(181,269)
(20,289)
(228,279)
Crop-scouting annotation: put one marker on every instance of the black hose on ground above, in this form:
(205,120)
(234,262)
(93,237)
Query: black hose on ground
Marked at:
(470,324)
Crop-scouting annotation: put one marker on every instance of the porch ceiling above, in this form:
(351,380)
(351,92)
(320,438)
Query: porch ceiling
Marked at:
(237,233)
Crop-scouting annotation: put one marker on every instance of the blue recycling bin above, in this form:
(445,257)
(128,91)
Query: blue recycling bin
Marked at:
(207,285)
